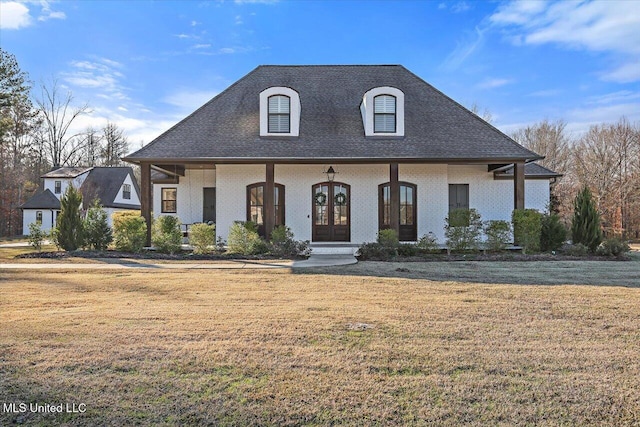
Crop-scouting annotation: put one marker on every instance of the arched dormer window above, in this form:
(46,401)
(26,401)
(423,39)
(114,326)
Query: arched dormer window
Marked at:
(382,111)
(384,114)
(279,112)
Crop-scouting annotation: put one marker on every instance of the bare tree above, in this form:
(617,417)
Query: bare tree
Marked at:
(550,140)
(607,161)
(115,145)
(92,144)
(58,115)
(485,115)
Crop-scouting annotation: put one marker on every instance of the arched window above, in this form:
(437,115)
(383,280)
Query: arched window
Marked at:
(255,205)
(384,114)
(279,120)
(382,110)
(279,112)
(408,210)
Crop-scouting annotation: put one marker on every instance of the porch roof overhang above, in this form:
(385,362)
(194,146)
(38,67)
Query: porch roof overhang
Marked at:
(323,160)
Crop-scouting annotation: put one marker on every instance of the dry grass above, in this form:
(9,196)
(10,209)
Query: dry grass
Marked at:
(274,348)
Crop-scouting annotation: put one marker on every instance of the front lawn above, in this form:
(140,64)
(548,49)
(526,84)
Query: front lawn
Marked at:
(275,348)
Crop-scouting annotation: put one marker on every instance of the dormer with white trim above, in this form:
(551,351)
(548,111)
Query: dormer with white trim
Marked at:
(279,112)
(382,111)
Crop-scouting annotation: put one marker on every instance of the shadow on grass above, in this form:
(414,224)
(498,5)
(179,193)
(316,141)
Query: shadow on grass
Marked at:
(593,273)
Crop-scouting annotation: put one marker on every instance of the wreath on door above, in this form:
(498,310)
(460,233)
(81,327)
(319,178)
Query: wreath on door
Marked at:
(340,199)
(321,199)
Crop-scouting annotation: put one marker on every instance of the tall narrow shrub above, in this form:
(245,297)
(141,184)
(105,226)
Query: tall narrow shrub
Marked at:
(585,226)
(70,234)
(97,232)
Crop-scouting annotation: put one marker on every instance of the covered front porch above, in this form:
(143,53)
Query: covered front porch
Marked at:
(359,198)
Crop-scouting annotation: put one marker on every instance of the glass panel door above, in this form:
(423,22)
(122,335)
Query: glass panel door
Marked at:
(331,212)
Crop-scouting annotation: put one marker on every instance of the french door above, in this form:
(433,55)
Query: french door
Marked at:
(331,212)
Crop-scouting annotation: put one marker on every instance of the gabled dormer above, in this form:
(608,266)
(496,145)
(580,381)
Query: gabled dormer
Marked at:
(279,112)
(59,179)
(382,111)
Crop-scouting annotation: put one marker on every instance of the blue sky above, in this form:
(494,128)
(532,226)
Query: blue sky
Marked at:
(147,64)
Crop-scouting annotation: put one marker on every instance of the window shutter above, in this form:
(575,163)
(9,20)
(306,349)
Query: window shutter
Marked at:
(385,104)
(279,104)
(384,109)
(279,114)
(385,123)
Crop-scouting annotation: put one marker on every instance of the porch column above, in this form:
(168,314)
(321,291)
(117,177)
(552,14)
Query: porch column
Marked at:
(269,219)
(145,197)
(518,185)
(394,188)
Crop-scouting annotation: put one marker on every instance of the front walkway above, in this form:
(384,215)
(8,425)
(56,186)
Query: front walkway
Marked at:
(113,264)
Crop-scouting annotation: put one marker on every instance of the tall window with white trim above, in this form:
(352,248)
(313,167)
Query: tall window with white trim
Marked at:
(279,114)
(384,114)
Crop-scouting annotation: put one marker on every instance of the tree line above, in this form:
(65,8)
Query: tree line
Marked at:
(605,159)
(37,135)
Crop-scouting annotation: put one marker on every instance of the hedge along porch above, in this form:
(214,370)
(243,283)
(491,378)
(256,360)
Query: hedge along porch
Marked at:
(404,154)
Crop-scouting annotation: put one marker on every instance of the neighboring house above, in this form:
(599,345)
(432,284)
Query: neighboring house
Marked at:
(403,153)
(115,187)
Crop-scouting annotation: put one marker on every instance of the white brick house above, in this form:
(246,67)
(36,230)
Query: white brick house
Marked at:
(115,187)
(403,154)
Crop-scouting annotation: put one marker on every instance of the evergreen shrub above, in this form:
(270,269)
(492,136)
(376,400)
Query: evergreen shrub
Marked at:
(129,231)
(166,235)
(463,230)
(69,225)
(97,233)
(498,234)
(202,237)
(527,227)
(585,226)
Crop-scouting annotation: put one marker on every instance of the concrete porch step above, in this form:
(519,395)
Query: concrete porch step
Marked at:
(333,248)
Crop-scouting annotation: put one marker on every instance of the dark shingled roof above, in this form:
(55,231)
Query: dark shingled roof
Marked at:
(227,128)
(104,183)
(42,200)
(532,171)
(66,172)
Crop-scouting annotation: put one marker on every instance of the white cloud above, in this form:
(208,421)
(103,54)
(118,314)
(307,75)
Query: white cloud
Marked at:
(493,83)
(627,73)
(464,49)
(227,50)
(545,93)
(610,98)
(201,46)
(189,100)
(100,75)
(14,15)
(461,6)
(600,26)
(518,12)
